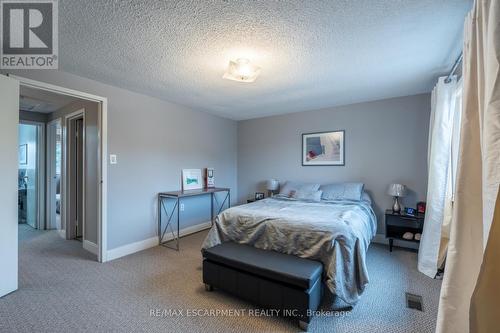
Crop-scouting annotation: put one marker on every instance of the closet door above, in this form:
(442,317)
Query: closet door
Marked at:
(9,152)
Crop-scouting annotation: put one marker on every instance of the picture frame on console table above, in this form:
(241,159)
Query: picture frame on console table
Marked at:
(192,179)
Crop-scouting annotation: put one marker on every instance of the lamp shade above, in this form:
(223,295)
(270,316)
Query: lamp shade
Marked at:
(396,190)
(272,185)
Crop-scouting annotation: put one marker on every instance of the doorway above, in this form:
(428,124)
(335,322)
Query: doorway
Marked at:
(54,170)
(72,164)
(31,152)
(75,183)
(9,172)
(75,175)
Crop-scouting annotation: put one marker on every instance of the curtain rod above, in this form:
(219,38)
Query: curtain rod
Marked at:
(454,68)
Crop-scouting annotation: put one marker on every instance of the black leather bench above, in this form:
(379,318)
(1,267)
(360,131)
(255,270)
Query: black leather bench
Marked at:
(269,279)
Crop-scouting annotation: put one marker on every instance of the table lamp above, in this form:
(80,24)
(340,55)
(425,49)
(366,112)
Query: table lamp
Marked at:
(272,185)
(396,191)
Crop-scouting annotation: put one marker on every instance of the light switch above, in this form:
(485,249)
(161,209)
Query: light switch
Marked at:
(112,159)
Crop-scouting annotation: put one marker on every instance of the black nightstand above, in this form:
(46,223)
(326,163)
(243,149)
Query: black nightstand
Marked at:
(397,224)
(253,200)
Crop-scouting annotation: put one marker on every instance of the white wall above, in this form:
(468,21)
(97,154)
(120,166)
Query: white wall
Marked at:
(385,142)
(153,141)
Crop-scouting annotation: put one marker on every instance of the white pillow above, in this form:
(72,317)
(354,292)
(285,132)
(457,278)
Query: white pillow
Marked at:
(290,187)
(307,195)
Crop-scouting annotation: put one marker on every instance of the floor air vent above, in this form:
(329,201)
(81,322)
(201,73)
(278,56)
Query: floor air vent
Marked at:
(414,302)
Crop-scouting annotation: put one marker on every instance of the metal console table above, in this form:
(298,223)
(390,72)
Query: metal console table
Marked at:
(177,196)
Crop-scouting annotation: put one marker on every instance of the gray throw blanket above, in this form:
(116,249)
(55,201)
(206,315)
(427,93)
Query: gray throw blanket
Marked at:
(336,233)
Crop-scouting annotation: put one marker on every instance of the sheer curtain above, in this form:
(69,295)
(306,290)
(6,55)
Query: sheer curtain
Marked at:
(442,159)
(478,182)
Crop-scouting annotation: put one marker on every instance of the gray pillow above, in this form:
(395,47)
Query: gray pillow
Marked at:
(366,197)
(307,195)
(342,191)
(289,188)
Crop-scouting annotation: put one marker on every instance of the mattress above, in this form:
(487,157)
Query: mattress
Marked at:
(336,233)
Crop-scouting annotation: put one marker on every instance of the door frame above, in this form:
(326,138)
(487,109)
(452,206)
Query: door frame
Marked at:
(40,165)
(102,152)
(65,174)
(49,155)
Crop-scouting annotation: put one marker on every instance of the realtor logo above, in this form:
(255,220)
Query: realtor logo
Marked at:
(28,34)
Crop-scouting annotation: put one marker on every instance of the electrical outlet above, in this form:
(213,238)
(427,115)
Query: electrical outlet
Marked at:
(182,207)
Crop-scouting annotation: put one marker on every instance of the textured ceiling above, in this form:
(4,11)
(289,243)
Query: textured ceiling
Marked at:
(313,54)
(41,101)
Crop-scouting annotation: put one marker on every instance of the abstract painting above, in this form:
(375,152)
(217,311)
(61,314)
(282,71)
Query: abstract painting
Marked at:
(324,148)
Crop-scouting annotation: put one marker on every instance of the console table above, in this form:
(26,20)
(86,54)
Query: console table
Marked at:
(176,196)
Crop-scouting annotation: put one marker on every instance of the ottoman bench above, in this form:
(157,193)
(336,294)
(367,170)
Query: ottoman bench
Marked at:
(269,279)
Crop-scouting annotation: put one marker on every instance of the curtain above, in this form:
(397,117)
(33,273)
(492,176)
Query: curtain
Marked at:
(484,308)
(478,176)
(445,112)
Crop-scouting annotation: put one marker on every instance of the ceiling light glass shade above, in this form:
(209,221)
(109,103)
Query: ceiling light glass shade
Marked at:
(241,70)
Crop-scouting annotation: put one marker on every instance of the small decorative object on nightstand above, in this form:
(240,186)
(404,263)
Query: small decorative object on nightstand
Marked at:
(421,207)
(272,186)
(402,226)
(396,191)
(259,196)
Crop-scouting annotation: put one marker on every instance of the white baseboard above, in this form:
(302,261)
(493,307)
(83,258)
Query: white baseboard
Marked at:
(152,242)
(61,233)
(125,250)
(189,230)
(91,247)
(380,239)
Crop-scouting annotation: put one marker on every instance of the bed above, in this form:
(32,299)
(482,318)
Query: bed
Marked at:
(336,231)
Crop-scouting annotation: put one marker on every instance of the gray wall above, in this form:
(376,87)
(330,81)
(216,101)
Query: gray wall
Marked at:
(385,142)
(33,116)
(153,141)
(91,161)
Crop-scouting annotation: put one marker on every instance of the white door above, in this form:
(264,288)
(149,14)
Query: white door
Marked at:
(9,158)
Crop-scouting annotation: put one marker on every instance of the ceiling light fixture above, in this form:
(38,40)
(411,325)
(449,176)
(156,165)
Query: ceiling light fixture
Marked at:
(241,70)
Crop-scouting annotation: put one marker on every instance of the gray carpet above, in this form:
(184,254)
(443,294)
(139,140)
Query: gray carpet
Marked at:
(63,289)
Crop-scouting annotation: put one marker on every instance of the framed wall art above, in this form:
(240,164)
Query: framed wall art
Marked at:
(191,179)
(23,154)
(323,148)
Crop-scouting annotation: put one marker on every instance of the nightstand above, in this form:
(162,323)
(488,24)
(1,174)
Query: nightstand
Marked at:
(397,224)
(249,200)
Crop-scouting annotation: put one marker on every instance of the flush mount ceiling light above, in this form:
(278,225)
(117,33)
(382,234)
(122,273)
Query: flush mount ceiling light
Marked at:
(241,70)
